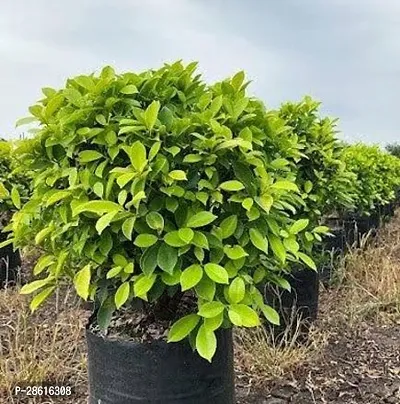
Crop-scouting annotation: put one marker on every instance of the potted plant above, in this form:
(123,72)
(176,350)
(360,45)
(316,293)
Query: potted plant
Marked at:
(13,192)
(153,195)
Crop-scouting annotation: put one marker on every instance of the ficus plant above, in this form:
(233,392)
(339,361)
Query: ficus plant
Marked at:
(377,176)
(14,181)
(155,187)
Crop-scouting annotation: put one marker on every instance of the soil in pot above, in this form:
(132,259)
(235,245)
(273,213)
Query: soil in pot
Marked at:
(133,363)
(298,309)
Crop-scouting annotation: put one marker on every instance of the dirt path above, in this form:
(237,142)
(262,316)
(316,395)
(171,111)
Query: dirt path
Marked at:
(357,366)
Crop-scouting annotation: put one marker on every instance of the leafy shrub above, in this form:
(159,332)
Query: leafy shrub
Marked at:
(321,173)
(394,149)
(14,182)
(377,176)
(154,187)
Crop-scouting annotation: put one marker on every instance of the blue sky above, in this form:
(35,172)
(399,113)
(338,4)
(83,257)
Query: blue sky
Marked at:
(346,53)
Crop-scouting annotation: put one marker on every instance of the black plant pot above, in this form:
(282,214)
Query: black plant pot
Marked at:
(357,227)
(125,372)
(298,309)
(10,263)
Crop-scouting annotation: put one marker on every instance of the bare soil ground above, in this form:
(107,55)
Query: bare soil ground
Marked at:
(353,354)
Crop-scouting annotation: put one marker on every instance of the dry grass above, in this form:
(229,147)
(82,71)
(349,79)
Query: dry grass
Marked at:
(44,348)
(367,288)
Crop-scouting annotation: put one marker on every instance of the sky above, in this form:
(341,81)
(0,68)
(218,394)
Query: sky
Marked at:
(345,53)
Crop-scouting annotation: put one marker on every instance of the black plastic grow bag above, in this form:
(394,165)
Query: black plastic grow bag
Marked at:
(10,263)
(125,372)
(298,309)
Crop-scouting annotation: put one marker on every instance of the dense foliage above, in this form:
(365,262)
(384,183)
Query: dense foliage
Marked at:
(156,187)
(377,176)
(14,181)
(394,148)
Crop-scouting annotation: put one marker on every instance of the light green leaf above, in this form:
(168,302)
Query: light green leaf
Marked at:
(105,221)
(42,263)
(145,240)
(178,175)
(211,309)
(137,155)
(35,285)
(237,290)
(206,343)
(206,289)
(236,252)
(228,226)
(217,273)
(155,221)
(41,297)
(191,276)
(277,247)
(258,240)
(201,219)
(82,282)
(113,272)
(122,294)
(270,314)
(129,89)
(15,197)
(57,196)
(232,186)
(183,327)
(286,185)
(151,113)
(172,238)
(243,316)
(127,227)
(298,226)
(143,284)
(87,156)
(186,235)
(307,260)
(99,207)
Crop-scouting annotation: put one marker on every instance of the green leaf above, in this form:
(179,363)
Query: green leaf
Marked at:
(167,258)
(87,156)
(155,221)
(178,175)
(129,89)
(148,261)
(298,226)
(248,203)
(41,297)
(291,244)
(104,314)
(201,219)
(99,207)
(42,263)
(186,235)
(151,113)
(145,240)
(270,314)
(214,323)
(113,272)
(137,155)
(35,285)
(236,252)
(206,289)
(243,316)
(211,309)
(217,273)
(105,221)
(307,260)
(174,240)
(232,186)
(237,290)
(206,343)
(192,158)
(191,276)
(127,227)
(308,186)
(228,226)
(25,121)
(183,327)
(200,240)
(258,240)
(143,284)
(57,196)
(286,185)
(277,247)
(122,294)
(15,197)
(82,282)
